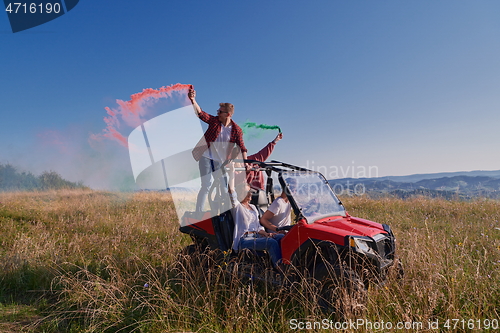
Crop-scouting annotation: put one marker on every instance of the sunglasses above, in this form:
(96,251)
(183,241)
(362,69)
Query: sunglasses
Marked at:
(220,111)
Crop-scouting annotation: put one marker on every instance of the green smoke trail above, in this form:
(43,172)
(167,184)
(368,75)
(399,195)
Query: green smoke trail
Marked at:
(261,126)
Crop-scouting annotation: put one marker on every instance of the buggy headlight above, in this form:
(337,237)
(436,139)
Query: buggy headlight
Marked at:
(361,244)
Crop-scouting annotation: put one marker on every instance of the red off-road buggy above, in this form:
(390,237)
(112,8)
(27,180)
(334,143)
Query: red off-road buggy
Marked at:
(325,244)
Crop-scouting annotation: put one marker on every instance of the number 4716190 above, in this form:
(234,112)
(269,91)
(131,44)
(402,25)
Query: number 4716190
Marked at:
(471,324)
(33,8)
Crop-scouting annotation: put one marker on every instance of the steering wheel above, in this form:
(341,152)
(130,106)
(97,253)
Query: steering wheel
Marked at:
(286,227)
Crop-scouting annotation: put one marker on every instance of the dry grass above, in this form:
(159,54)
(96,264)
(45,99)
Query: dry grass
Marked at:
(90,261)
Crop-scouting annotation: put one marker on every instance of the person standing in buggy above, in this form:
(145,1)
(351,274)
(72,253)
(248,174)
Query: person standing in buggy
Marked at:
(216,145)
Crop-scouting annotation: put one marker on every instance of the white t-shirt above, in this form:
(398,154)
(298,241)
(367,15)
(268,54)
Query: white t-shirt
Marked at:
(218,149)
(244,220)
(281,210)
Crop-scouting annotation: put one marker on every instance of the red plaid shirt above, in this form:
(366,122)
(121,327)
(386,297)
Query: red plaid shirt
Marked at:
(213,131)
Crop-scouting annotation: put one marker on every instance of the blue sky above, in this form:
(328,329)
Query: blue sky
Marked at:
(405,86)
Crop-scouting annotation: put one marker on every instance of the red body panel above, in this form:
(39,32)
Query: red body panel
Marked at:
(205,225)
(332,229)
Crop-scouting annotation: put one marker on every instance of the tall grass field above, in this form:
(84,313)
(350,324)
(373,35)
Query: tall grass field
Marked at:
(89,261)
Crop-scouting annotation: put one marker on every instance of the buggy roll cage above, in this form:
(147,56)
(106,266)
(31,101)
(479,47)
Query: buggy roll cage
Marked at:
(279,168)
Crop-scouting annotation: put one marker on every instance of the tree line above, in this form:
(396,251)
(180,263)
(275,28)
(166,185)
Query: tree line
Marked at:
(12,179)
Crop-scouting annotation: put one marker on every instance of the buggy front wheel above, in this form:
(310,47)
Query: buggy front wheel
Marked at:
(342,291)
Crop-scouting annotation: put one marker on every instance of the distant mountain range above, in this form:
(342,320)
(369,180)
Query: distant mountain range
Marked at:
(449,185)
(418,177)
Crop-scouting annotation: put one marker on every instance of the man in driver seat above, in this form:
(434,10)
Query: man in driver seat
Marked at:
(278,213)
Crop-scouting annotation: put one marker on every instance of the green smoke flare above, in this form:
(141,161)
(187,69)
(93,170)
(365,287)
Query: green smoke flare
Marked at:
(261,126)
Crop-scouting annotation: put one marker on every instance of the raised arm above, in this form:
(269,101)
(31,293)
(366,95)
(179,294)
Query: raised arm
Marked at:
(265,152)
(230,185)
(192,98)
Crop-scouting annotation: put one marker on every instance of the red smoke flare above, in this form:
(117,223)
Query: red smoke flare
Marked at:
(133,112)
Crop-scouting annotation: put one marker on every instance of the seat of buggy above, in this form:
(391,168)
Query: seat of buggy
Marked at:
(261,201)
(224,230)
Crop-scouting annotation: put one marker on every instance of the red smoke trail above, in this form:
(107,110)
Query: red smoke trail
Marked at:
(136,100)
(134,111)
